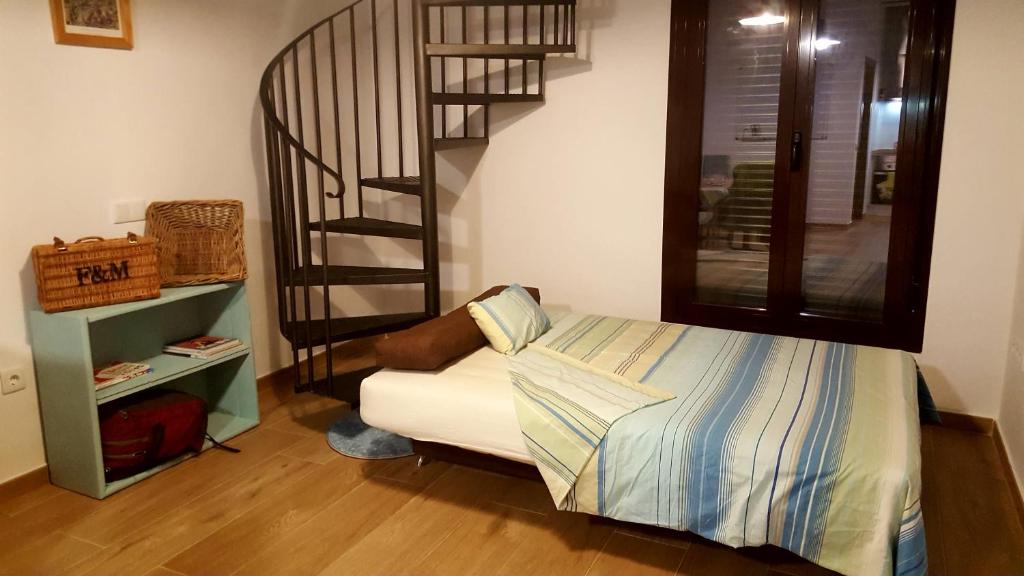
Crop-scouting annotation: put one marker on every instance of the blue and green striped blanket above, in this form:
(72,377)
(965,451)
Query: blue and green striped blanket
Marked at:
(744,439)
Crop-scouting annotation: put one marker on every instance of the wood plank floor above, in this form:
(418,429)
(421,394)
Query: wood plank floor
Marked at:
(288,504)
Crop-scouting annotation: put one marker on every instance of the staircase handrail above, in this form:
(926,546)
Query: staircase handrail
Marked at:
(267,87)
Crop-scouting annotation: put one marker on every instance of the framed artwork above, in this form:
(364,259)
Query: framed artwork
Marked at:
(97,23)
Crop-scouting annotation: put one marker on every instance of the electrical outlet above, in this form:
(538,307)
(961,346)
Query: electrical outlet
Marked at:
(1017,353)
(124,211)
(12,380)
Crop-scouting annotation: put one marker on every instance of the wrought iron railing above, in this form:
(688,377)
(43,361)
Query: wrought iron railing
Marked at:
(339,115)
(311,96)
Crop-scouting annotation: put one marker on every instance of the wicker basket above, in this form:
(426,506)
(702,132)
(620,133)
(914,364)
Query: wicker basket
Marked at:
(95,272)
(198,241)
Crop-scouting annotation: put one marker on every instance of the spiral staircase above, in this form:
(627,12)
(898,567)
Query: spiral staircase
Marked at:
(358,105)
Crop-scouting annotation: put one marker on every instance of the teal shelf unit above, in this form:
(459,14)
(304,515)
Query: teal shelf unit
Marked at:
(67,345)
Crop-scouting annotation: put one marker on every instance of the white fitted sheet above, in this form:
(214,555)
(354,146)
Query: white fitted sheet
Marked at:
(467,404)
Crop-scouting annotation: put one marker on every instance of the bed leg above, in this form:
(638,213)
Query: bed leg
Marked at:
(423,461)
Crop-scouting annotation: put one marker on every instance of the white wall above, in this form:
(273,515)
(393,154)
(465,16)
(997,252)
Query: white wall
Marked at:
(1011,411)
(174,118)
(1003,151)
(980,212)
(570,192)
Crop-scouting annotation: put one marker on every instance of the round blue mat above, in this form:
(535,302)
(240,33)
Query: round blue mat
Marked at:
(353,437)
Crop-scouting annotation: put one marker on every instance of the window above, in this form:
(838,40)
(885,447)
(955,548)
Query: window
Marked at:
(802,165)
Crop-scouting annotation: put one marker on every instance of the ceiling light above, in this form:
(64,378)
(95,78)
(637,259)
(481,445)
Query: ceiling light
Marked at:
(766,19)
(824,43)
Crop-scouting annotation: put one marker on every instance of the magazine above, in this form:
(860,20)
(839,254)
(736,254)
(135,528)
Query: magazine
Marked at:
(117,372)
(202,346)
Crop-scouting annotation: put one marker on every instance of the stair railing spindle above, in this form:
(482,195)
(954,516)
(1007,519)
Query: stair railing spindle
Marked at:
(565,26)
(425,132)
(337,121)
(322,209)
(465,78)
(506,59)
(543,15)
(487,71)
(444,76)
(274,180)
(288,183)
(307,249)
(526,40)
(572,15)
(355,109)
(398,92)
(543,40)
(376,86)
(555,28)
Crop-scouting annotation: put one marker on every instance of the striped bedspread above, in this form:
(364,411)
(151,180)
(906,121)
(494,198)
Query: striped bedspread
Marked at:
(744,439)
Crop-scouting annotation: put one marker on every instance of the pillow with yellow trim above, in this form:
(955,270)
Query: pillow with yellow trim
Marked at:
(510,320)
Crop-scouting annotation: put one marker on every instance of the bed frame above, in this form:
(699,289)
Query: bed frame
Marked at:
(428,451)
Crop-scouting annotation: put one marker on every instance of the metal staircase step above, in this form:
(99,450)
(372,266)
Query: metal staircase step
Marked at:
(483,99)
(401,184)
(349,328)
(371,227)
(452,143)
(357,276)
(517,51)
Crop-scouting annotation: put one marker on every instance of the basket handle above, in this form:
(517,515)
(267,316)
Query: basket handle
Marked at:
(61,246)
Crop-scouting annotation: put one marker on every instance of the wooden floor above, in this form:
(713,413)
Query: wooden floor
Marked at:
(289,505)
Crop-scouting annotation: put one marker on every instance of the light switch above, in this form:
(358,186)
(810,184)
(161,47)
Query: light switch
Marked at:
(133,210)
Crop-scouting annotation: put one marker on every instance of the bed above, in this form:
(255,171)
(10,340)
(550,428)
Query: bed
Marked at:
(744,439)
(466,404)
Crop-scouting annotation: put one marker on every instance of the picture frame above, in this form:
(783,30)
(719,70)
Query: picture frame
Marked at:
(96,23)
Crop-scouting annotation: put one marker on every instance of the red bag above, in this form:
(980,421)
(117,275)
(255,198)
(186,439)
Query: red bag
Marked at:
(145,429)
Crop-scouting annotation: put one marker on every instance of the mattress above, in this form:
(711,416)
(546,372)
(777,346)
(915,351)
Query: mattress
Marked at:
(467,403)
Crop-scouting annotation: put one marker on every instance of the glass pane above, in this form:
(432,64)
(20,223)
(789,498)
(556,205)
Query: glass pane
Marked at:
(745,44)
(859,58)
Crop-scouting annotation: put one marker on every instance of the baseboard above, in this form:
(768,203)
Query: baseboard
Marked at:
(967,423)
(275,389)
(1004,457)
(280,378)
(25,483)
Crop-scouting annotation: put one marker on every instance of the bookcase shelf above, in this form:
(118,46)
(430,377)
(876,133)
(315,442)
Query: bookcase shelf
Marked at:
(166,367)
(221,426)
(67,345)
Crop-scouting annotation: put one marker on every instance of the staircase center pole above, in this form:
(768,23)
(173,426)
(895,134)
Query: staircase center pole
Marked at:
(425,128)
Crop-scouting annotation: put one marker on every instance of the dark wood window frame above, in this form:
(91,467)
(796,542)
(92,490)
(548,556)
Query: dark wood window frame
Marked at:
(917,176)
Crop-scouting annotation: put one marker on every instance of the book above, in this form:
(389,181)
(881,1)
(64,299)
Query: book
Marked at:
(202,347)
(117,372)
(198,344)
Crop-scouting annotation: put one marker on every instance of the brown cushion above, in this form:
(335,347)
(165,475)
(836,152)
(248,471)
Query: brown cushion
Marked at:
(435,342)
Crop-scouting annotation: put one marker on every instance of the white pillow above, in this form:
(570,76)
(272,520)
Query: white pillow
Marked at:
(510,320)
